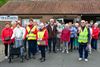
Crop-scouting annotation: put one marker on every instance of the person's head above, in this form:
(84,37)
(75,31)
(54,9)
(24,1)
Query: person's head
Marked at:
(18,24)
(83,23)
(66,25)
(70,24)
(30,21)
(41,25)
(7,25)
(87,25)
(76,24)
(13,23)
(52,21)
(95,24)
(35,23)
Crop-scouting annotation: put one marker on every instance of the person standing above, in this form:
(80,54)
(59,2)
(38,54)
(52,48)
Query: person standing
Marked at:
(31,35)
(6,37)
(76,45)
(52,31)
(18,35)
(83,40)
(95,35)
(73,35)
(65,38)
(42,41)
(59,31)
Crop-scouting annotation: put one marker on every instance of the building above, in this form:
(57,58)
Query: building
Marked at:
(65,10)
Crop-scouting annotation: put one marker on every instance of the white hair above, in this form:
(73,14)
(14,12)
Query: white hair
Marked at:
(13,22)
(51,19)
(96,24)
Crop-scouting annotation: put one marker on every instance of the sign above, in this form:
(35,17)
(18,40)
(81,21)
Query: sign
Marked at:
(8,18)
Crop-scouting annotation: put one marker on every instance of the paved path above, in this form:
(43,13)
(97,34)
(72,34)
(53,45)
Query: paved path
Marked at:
(57,60)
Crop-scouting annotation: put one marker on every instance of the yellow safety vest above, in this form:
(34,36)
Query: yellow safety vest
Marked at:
(83,36)
(40,36)
(30,35)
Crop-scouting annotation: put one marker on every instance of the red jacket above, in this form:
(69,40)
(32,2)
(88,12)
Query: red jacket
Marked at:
(95,32)
(65,35)
(6,32)
(45,37)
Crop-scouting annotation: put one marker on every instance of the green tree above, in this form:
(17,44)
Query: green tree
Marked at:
(2,2)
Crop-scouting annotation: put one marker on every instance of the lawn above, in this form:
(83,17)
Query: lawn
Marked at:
(2,2)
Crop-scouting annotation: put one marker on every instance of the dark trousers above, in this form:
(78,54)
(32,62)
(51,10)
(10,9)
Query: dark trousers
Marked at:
(94,43)
(32,47)
(71,43)
(42,49)
(25,44)
(83,50)
(6,49)
(50,41)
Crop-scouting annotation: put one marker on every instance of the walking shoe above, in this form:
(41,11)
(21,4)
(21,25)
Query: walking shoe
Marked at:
(63,51)
(86,60)
(40,58)
(6,57)
(43,60)
(67,51)
(80,59)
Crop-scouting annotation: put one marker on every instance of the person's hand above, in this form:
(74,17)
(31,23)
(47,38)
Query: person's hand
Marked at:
(39,39)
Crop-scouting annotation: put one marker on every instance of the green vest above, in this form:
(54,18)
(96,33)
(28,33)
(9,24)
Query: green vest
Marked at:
(83,36)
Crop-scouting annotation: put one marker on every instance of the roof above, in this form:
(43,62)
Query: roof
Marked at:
(52,7)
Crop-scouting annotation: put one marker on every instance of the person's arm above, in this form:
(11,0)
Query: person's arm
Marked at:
(13,34)
(45,35)
(24,31)
(2,35)
(89,35)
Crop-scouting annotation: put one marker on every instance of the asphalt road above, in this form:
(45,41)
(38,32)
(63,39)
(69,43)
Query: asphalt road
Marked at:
(57,60)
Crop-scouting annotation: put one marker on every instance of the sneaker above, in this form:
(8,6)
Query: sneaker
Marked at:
(86,60)
(63,51)
(80,59)
(43,60)
(67,51)
(6,57)
(57,49)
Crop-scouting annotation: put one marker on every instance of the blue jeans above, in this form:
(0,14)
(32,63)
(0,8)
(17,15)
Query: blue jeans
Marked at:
(65,45)
(83,51)
(94,44)
(19,43)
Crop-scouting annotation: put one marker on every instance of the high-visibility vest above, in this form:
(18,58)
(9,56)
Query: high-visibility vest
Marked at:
(30,35)
(40,36)
(83,36)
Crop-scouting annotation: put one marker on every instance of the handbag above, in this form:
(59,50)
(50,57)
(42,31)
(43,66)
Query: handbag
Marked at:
(41,42)
(7,38)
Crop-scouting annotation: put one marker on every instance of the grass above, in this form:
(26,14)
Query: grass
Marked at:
(2,2)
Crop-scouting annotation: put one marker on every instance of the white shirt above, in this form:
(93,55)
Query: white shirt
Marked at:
(18,33)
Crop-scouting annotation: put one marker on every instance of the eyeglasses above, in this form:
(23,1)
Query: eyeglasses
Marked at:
(82,22)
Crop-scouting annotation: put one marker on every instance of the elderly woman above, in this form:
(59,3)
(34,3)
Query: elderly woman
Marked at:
(95,33)
(6,37)
(42,40)
(65,38)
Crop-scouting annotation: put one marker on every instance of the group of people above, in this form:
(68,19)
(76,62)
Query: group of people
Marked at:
(52,37)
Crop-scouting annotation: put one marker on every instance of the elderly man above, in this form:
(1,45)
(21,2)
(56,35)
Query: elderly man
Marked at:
(52,31)
(83,39)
